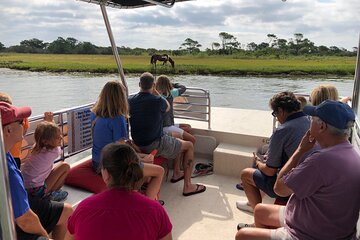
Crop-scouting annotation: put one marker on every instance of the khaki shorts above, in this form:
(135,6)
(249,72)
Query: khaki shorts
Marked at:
(168,147)
(281,233)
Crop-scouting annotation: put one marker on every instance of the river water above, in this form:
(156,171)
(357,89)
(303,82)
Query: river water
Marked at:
(53,91)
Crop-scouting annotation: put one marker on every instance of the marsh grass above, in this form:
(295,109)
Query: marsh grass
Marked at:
(221,65)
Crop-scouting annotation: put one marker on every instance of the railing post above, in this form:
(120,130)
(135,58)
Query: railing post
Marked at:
(6,211)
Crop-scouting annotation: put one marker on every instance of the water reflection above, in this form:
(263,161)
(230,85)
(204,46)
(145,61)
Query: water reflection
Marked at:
(51,91)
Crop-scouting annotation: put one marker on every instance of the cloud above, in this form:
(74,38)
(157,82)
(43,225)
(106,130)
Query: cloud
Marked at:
(326,22)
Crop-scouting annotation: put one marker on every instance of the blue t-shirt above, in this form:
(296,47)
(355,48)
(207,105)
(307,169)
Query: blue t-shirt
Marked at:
(146,117)
(19,196)
(286,139)
(105,131)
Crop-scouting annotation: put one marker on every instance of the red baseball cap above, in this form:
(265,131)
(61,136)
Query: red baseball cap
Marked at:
(10,113)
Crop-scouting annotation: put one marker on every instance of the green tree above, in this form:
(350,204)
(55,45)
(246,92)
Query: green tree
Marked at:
(2,47)
(191,45)
(229,42)
(33,43)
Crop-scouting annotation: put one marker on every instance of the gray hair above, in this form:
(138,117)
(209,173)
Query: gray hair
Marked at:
(336,131)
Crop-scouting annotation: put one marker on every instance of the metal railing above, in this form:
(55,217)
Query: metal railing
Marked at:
(75,123)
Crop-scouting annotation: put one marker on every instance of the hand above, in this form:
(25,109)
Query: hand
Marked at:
(148,159)
(155,92)
(256,159)
(49,116)
(307,142)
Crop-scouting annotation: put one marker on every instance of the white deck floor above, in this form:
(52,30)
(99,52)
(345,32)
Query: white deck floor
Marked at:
(212,214)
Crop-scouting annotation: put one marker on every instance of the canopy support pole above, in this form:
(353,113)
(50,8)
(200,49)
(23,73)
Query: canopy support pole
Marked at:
(6,211)
(161,4)
(114,48)
(356,91)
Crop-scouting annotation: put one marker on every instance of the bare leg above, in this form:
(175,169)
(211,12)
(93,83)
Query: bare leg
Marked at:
(253,234)
(188,162)
(266,216)
(185,127)
(57,177)
(156,173)
(61,227)
(177,171)
(188,137)
(252,192)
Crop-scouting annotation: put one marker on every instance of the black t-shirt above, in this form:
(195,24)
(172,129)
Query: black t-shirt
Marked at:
(146,117)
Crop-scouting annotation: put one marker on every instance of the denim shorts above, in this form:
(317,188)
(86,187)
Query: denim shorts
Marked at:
(265,183)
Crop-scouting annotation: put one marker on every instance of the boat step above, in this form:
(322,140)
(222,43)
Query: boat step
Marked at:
(230,159)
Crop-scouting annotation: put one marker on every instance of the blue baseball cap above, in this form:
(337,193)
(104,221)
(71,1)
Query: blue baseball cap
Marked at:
(335,113)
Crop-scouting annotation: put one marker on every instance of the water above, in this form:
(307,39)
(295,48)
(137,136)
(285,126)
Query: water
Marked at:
(54,91)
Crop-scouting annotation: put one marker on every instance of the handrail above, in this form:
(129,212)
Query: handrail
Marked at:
(195,110)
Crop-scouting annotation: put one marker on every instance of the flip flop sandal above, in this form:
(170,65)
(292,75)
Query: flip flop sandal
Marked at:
(198,173)
(176,180)
(197,190)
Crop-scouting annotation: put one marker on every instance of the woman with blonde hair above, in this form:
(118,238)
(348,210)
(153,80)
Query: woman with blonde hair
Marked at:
(108,125)
(326,92)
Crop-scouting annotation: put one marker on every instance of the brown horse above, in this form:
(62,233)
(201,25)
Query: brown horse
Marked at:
(162,58)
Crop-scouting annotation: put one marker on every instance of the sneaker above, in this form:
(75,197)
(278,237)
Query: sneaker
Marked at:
(243,225)
(243,205)
(58,195)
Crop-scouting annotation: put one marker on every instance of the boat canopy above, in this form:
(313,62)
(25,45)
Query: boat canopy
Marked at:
(134,3)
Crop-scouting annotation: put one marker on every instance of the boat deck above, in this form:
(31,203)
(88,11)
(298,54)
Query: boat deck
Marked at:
(212,214)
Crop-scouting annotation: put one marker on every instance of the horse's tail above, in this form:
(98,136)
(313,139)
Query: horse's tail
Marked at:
(172,62)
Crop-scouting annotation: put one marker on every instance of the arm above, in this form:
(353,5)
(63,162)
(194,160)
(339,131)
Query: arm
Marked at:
(146,158)
(167,237)
(69,236)
(180,88)
(30,223)
(263,168)
(305,145)
(49,116)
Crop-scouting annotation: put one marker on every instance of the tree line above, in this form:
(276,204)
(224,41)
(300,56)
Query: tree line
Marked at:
(228,45)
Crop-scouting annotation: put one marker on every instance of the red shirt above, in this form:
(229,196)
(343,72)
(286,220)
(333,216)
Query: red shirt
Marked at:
(119,214)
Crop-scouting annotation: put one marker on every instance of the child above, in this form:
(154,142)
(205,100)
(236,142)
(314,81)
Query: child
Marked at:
(16,149)
(41,178)
(170,91)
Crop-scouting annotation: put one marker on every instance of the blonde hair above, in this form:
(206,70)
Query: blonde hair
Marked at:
(333,92)
(4,97)
(112,101)
(163,85)
(44,133)
(322,93)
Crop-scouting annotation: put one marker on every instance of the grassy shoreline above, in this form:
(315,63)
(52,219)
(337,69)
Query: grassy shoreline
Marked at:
(198,65)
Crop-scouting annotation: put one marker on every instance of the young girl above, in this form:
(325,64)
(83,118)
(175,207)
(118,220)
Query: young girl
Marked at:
(108,118)
(170,91)
(41,178)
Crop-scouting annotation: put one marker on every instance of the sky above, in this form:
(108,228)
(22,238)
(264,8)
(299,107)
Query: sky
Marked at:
(325,22)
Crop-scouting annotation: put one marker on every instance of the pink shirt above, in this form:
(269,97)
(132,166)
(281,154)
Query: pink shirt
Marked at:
(119,214)
(37,167)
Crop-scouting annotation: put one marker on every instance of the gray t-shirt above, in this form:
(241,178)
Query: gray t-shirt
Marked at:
(286,139)
(326,199)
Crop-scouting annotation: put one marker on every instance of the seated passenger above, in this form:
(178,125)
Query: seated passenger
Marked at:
(283,143)
(16,149)
(120,212)
(146,110)
(320,94)
(34,217)
(108,119)
(170,91)
(325,200)
(41,178)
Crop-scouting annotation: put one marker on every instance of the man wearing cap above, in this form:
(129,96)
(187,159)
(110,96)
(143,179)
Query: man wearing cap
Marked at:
(34,217)
(325,198)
